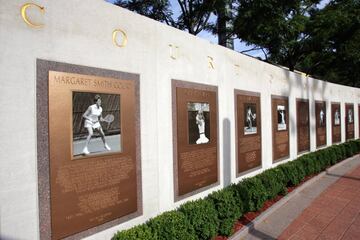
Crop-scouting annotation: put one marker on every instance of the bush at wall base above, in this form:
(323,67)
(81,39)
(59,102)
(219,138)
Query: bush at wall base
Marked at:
(203,217)
(216,214)
(228,209)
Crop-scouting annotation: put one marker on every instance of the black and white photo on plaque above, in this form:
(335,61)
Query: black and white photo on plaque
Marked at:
(96,123)
(250,126)
(350,116)
(199,122)
(281,116)
(322,118)
(337,117)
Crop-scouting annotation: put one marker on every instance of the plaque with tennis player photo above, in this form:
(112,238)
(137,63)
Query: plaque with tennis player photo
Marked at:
(96,123)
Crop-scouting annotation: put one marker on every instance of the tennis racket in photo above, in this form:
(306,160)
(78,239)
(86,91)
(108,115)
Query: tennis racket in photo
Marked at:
(109,119)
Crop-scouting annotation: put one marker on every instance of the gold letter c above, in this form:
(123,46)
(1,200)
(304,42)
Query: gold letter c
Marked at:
(124,39)
(25,17)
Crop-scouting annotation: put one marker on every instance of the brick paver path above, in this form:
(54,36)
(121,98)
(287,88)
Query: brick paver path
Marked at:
(334,214)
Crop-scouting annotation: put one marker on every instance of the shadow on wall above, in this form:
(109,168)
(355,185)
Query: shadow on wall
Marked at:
(2,237)
(226,152)
(305,93)
(298,84)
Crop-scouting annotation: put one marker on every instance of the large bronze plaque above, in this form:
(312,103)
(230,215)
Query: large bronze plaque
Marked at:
(303,127)
(248,130)
(280,125)
(320,111)
(349,120)
(195,137)
(336,122)
(99,186)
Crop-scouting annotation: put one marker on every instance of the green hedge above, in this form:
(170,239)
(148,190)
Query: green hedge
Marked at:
(228,208)
(252,193)
(217,213)
(203,217)
(273,180)
(172,225)
(142,231)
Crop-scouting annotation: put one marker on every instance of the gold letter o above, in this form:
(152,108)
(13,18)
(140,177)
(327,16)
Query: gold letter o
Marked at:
(124,40)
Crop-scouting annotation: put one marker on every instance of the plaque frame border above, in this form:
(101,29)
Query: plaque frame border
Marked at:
(326,130)
(333,124)
(274,96)
(251,94)
(198,86)
(42,148)
(346,123)
(297,135)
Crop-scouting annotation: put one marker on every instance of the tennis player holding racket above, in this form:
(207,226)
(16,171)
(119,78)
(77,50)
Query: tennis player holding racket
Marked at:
(93,116)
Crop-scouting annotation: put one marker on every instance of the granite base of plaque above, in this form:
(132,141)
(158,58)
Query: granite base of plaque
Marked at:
(320,118)
(88,149)
(349,121)
(280,126)
(248,131)
(195,130)
(303,125)
(336,122)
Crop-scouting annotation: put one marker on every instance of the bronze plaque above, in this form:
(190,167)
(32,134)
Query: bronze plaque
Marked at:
(248,130)
(336,122)
(94,157)
(349,120)
(320,111)
(195,137)
(280,125)
(303,127)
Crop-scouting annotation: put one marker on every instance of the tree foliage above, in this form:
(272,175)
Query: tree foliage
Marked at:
(194,15)
(334,43)
(323,42)
(159,10)
(276,26)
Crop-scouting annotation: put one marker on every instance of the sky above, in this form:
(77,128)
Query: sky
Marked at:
(238,45)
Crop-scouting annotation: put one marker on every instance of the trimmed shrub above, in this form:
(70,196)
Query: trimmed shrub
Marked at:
(217,213)
(356,145)
(353,146)
(203,216)
(300,168)
(339,152)
(294,172)
(228,208)
(252,193)
(332,154)
(172,225)
(140,232)
(323,157)
(311,164)
(348,149)
(308,165)
(343,151)
(274,182)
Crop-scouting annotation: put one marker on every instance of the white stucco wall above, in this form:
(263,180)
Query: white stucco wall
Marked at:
(80,32)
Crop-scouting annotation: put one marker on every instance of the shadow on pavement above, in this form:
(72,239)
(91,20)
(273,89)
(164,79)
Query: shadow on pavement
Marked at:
(343,176)
(259,235)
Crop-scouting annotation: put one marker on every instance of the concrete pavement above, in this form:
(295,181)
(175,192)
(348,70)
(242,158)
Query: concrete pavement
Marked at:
(325,207)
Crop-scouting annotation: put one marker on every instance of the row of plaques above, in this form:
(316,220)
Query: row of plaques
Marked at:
(89,156)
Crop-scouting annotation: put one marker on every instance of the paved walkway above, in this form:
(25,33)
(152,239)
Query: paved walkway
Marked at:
(326,207)
(332,215)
